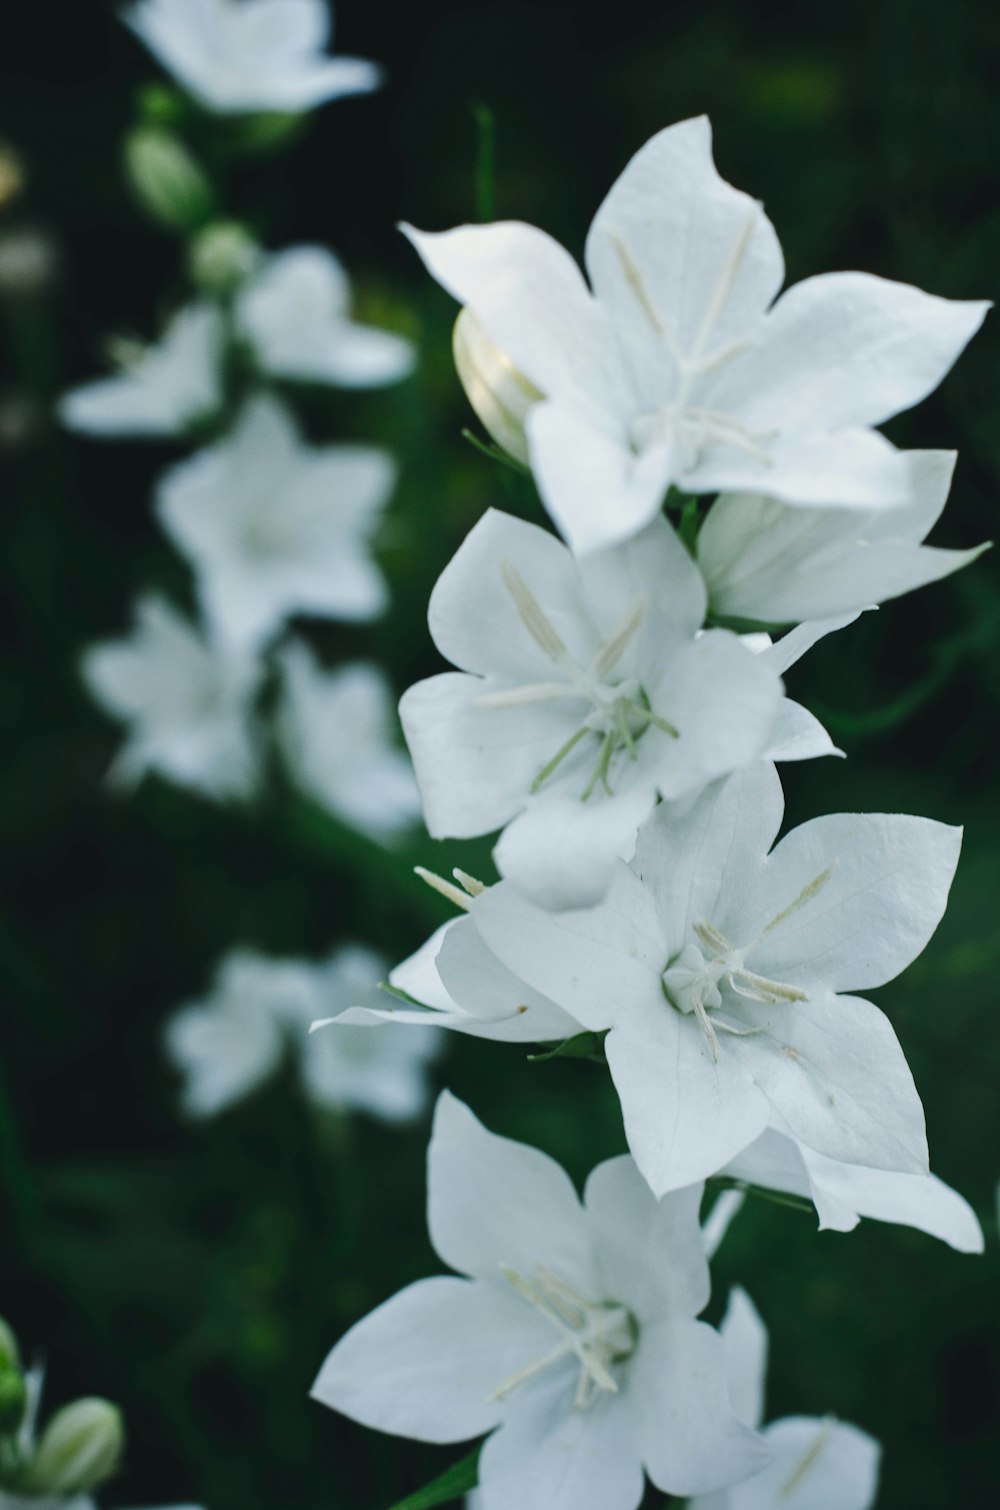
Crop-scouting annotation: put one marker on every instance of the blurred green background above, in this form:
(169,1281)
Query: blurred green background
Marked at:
(198,1275)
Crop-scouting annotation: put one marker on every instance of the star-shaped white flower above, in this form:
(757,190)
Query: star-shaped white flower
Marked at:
(188,702)
(675,368)
(771,562)
(586,690)
(260,1009)
(275,527)
(818,1463)
(719,970)
(337,733)
(570,1337)
(296,314)
(239,56)
(162,389)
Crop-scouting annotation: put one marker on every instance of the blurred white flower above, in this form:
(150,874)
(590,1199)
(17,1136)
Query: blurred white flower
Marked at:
(769,561)
(29,259)
(818,1463)
(163,387)
(274,527)
(260,1008)
(568,1333)
(337,733)
(238,56)
(296,314)
(187,702)
(674,367)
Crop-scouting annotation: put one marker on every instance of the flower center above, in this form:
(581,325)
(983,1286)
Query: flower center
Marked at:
(619,712)
(597,1335)
(692,978)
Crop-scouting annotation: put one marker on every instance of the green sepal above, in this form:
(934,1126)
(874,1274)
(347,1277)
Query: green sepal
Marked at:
(580,1046)
(455,1482)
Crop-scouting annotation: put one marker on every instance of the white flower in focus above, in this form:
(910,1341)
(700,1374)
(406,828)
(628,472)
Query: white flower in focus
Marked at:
(586,690)
(188,703)
(337,734)
(571,1335)
(767,561)
(818,1463)
(162,389)
(237,56)
(844,1193)
(296,314)
(675,368)
(381,1071)
(719,970)
(275,527)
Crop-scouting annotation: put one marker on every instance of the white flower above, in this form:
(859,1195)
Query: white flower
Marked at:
(188,702)
(844,1193)
(259,1009)
(163,387)
(239,56)
(767,561)
(572,1339)
(586,689)
(676,370)
(336,730)
(719,970)
(818,1464)
(274,527)
(296,314)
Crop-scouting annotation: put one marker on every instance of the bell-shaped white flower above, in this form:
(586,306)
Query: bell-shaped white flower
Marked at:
(768,561)
(720,971)
(275,527)
(586,690)
(570,1336)
(844,1193)
(296,315)
(260,1009)
(675,368)
(337,734)
(239,56)
(188,702)
(162,388)
(819,1463)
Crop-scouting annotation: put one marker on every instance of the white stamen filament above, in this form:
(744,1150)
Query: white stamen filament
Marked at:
(437,883)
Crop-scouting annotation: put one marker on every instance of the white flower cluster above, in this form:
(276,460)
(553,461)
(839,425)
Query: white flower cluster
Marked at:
(616,712)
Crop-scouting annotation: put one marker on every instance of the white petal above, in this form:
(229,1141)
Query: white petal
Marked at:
(798,735)
(654,567)
(794,645)
(818,1465)
(502,1006)
(845,1192)
(426,1362)
(725,1208)
(886,892)
(847,349)
(835,1072)
(650,1253)
(493,1204)
(548,1456)
(224,1050)
(562,852)
(679,224)
(744,1337)
(690,1440)
(812,469)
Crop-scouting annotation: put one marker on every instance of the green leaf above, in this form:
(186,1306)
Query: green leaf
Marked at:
(451,1485)
(580,1046)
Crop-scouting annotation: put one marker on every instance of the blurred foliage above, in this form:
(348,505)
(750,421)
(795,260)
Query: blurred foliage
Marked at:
(198,1275)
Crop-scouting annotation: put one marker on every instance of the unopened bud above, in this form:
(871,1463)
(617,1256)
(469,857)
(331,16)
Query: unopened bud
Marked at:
(222,256)
(80,1447)
(499,393)
(167,180)
(13,1400)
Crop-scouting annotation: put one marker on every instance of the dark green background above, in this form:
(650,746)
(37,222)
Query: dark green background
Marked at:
(199,1275)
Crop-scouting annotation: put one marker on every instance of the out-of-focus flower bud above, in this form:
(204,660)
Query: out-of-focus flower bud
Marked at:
(10,1353)
(80,1447)
(11,175)
(222,256)
(13,1400)
(499,393)
(167,180)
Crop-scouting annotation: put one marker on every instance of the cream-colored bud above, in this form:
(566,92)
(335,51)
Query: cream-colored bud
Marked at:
(499,393)
(80,1447)
(167,180)
(222,256)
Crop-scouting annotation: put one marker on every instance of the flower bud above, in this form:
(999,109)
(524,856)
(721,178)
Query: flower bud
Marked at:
(10,1353)
(167,180)
(499,393)
(222,256)
(80,1447)
(13,1400)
